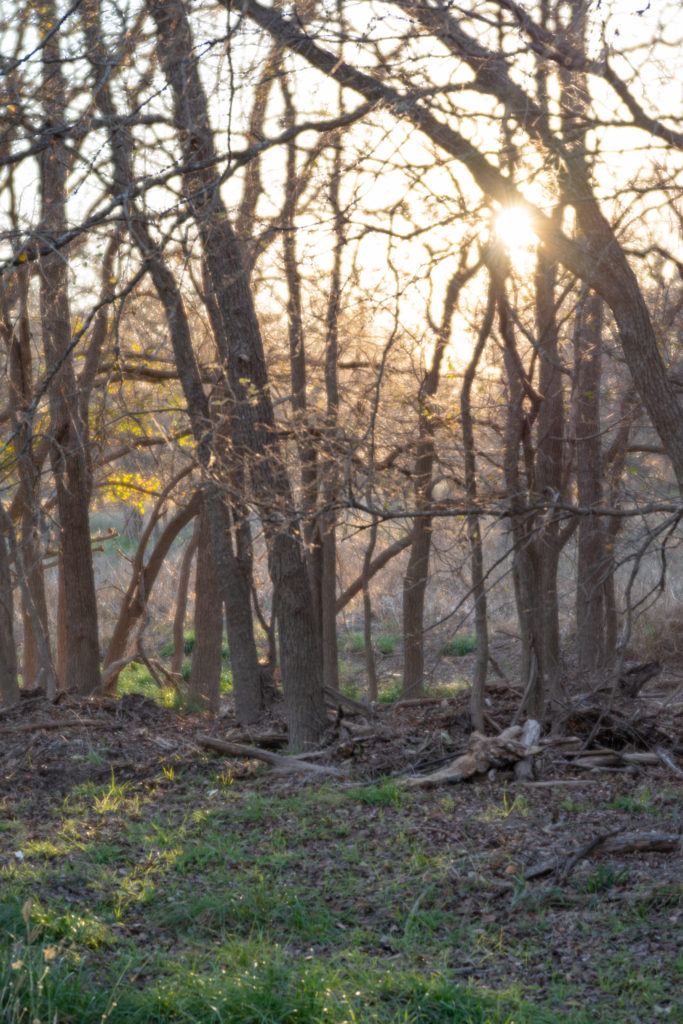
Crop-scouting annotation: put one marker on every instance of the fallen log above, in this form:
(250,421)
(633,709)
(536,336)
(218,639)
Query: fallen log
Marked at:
(512,746)
(285,763)
(61,723)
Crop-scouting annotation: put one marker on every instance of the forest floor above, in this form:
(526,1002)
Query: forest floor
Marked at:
(143,878)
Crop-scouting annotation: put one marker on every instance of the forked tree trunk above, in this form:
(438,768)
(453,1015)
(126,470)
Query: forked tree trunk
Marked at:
(17,335)
(232,580)
(143,577)
(253,420)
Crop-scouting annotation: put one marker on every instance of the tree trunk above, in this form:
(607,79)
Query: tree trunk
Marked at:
(591,562)
(473,521)
(414,587)
(181,600)
(370,662)
(205,675)
(68,431)
(417,571)
(9,685)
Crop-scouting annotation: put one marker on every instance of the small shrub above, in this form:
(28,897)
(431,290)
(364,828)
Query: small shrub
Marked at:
(355,643)
(390,692)
(386,644)
(605,878)
(457,646)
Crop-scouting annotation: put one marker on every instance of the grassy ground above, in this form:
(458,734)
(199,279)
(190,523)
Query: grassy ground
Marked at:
(195,895)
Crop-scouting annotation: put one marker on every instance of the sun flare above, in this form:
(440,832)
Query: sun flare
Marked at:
(513,229)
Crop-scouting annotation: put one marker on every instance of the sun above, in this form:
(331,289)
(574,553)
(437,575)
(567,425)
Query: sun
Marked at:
(513,229)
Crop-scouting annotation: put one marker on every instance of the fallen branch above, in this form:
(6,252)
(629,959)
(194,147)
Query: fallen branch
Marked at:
(264,739)
(335,697)
(610,842)
(289,763)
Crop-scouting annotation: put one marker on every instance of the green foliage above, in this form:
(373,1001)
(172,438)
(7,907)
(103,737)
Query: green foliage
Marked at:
(390,691)
(384,793)
(354,643)
(387,644)
(457,646)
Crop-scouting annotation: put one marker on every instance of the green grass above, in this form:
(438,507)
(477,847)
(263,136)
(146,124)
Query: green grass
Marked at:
(195,897)
(457,646)
(386,643)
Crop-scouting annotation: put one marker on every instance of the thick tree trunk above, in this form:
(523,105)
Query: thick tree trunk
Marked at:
(254,436)
(414,588)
